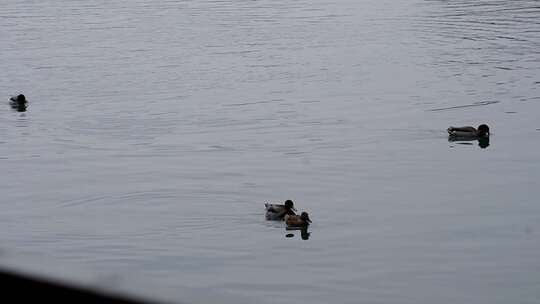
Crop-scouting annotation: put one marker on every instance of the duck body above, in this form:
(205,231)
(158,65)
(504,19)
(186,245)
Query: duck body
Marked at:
(301,220)
(468,132)
(278,212)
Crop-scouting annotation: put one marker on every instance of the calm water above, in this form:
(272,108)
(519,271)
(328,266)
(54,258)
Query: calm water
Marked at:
(156,131)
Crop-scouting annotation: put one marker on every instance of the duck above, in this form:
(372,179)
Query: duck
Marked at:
(301,220)
(19,99)
(278,212)
(469,132)
(18,103)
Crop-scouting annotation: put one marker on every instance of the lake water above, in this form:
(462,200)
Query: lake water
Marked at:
(156,131)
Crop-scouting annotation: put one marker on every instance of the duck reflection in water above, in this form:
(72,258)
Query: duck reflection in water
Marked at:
(483,142)
(18,103)
(304,233)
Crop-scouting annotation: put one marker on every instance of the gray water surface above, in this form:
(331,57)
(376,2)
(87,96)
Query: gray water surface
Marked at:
(156,131)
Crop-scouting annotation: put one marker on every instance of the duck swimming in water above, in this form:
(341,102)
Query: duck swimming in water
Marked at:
(278,212)
(18,102)
(469,132)
(18,99)
(301,220)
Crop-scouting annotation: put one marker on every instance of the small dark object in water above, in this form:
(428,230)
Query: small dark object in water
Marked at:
(304,234)
(19,98)
(18,103)
(289,235)
(483,142)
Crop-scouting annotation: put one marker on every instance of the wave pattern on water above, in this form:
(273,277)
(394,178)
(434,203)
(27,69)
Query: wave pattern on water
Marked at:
(488,47)
(156,131)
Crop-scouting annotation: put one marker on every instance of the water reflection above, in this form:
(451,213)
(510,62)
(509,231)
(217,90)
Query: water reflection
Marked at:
(483,142)
(304,233)
(19,107)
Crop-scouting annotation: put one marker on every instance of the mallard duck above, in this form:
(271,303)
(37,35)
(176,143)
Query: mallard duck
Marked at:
(278,212)
(301,220)
(19,99)
(18,103)
(469,132)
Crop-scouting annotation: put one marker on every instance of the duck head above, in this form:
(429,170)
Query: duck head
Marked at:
(289,205)
(483,130)
(19,99)
(305,217)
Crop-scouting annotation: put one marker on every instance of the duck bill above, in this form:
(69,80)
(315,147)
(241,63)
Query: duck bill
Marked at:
(308,220)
